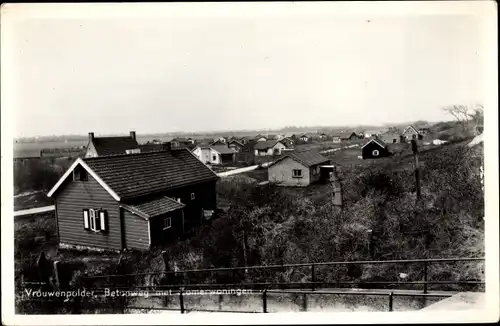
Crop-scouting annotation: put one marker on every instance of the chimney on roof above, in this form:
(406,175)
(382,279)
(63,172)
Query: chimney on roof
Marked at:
(167,146)
(132,134)
(91,136)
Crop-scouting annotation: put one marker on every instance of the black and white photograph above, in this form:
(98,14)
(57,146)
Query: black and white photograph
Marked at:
(248,163)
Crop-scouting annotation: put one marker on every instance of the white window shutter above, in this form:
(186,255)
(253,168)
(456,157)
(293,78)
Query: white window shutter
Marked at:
(86,221)
(102,216)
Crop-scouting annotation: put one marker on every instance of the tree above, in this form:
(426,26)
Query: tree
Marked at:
(478,114)
(463,113)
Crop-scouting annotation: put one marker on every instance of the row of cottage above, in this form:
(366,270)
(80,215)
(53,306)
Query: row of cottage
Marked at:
(123,195)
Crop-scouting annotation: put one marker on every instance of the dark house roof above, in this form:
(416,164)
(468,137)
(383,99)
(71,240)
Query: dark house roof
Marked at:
(154,207)
(377,141)
(181,139)
(307,158)
(265,144)
(135,175)
(113,145)
(342,134)
(223,149)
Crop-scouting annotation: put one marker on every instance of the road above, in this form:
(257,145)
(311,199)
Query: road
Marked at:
(35,210)
(241,170)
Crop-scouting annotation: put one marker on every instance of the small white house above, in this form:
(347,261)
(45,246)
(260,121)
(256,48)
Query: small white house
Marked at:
(215,154)
(268,148)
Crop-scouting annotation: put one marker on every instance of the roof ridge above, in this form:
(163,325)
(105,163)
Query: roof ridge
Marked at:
(132,154)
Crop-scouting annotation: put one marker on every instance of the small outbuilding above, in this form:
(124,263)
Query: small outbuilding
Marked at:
(375,148)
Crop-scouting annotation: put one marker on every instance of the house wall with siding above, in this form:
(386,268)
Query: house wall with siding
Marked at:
(205,198)
(160,235)
(135,231)
(270,151)
(75,196)
(281,173)
(367,151)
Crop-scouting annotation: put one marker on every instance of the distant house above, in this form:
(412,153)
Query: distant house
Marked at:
(132,201)
(179,142)
(410,133)
(106,146)
(219,141)
(299,169)
(259,137)
(338,137)
(323,136)
(244,140)
(424,131)
(268,148)
(304,137)
(391,138)
(375,148)
(215,154)
(236,145)
(279,137)
(288,142)
(372,133)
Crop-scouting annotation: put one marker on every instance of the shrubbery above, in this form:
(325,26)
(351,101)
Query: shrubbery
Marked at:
(272,225)
(38,174)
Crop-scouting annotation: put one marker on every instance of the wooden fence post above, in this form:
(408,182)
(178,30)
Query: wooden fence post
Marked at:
(56,274)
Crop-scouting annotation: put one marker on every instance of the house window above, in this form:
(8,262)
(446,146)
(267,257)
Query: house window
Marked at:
(296,173)
(214,157)
(167,223)
(95,220)
(394,140)
(375,153)
(192,195)
(83,175)
(414,136)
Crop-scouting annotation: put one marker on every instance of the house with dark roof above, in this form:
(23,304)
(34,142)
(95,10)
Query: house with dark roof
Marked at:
(105,146)
(288,142)
(268,148)
(133,201)
(299,169)
(338,137)
(391,138)
(215,154)
(375,148)
(410,133)
(236,145)
(179,142)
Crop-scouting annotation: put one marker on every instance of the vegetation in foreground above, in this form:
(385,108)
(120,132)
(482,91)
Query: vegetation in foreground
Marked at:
(272,225)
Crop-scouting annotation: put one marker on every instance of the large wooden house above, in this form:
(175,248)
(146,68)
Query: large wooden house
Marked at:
(105,146)
(133,201)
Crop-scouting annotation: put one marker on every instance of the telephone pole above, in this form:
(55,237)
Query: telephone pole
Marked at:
(414,148)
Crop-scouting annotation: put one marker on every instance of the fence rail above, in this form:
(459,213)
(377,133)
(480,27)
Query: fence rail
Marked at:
(426,262)
(314,287)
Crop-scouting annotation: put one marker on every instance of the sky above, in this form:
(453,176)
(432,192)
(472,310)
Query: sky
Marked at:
(221,72)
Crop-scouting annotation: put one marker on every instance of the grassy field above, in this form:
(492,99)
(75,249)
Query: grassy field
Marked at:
(37,199)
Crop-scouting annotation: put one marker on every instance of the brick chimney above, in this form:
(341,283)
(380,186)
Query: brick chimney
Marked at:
(91,136)
(132,134)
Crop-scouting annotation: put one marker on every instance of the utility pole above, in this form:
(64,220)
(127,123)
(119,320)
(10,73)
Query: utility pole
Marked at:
(414,148)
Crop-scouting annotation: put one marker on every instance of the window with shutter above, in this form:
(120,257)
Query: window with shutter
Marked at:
(92,219)
(86,220)
(103,219)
